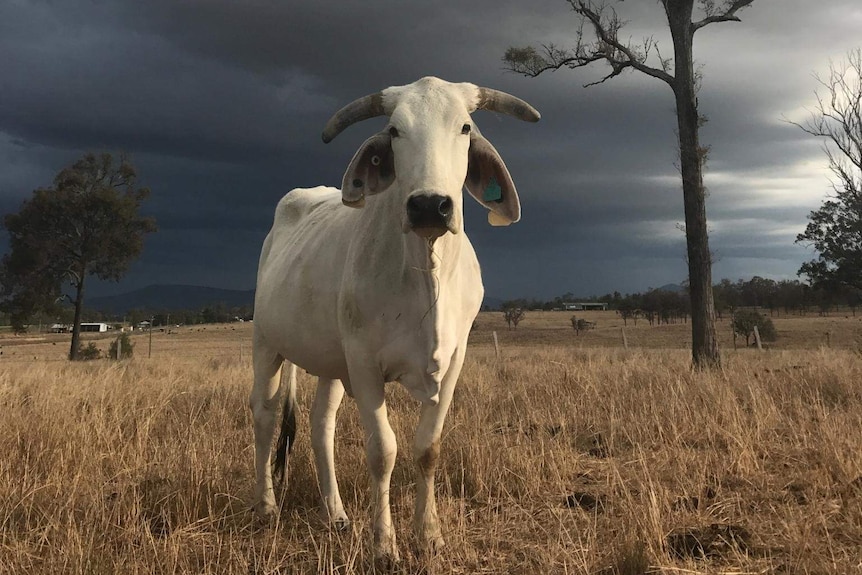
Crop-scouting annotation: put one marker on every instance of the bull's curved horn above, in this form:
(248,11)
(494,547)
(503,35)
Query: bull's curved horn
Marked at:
(497,101)
(365,107)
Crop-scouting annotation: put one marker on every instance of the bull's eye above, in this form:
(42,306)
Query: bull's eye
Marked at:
(393,131)
(375,160)
(465,129)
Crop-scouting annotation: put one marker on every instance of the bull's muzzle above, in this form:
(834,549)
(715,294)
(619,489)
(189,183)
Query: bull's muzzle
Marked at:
(429,215)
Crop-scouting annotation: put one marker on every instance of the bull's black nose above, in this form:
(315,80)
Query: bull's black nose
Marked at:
(429,211)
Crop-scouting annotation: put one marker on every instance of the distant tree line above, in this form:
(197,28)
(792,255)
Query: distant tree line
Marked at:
(786,296)
(214,313)
(657,306)
(665,306)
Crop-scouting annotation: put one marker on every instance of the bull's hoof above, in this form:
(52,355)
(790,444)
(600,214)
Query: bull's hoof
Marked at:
(386,555)
(265,511)
(435,544)
(337,521)
(431,542)
(429,535)
(387,561)
(340,523)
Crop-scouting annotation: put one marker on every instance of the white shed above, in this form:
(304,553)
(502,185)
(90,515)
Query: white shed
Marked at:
(99,327)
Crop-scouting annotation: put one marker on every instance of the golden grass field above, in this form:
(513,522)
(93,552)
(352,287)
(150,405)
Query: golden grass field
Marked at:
(568,454)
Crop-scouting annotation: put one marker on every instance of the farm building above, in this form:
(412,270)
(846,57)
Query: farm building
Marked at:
(99,327)
(600,305)
(59,328)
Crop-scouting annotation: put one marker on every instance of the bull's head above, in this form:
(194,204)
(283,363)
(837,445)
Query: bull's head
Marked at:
(433,148)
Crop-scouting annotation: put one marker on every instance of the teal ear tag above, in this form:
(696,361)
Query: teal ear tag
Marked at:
(493,192)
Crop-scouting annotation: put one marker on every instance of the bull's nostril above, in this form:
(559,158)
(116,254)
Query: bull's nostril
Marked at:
(413,205)
(429,211)
(444,208)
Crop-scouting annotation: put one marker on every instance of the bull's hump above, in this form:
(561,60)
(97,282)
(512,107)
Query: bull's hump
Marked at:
(301,202)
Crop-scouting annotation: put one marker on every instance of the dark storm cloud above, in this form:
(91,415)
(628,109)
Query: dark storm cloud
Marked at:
(221,104)
(348,46)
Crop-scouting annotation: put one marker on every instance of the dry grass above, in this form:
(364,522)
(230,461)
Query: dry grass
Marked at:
(567,456)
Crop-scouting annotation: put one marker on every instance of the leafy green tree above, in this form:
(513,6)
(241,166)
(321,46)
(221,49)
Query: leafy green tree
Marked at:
(745,320)
(760,292)
(216,313)
(791,295)
(88,353)
(599,38)
(724,296)
(127,348)
(835,230)
(628,313)
(86,224)
(513,315)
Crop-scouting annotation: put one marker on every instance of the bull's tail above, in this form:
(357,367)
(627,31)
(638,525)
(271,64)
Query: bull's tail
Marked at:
(287,434)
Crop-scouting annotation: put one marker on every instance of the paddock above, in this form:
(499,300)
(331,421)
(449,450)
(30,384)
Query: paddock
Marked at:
(568,453)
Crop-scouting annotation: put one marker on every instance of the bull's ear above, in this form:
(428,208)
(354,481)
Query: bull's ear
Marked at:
(371,170)
(488,181)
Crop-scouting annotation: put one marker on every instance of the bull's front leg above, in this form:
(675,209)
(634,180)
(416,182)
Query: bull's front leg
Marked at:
(323,411)
(381,449)
(426,452)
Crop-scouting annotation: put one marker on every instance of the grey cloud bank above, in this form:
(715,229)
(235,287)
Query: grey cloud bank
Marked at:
(221,105)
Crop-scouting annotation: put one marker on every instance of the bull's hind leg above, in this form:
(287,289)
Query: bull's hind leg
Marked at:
(328,398)
(263,402)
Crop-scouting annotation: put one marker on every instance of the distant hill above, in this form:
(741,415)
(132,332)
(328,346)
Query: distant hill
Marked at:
(168,297)
(675,288)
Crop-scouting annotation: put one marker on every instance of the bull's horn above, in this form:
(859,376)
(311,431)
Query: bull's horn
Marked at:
(366,107)
(497,101)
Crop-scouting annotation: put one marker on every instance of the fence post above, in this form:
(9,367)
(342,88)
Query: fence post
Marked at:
(118,348)
(496,346)
(625,339)
(828,339)
(757,338)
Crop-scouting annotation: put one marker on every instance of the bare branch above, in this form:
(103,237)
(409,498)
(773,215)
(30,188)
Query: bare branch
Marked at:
(73,276)
(606,47)
(665,62)
(530,62)
(727,15)
(617,54)
(64,297)
(837,117)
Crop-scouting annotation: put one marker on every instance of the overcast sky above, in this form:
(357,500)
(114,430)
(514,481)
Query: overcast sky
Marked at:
(221,105)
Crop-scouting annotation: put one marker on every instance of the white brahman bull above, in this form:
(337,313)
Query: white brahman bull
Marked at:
(361,297)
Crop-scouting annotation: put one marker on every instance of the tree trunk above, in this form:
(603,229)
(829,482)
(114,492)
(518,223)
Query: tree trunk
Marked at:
(76,325)
(704,346)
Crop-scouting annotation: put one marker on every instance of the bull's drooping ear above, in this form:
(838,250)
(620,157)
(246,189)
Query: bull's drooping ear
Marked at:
(371,170)
(489,182)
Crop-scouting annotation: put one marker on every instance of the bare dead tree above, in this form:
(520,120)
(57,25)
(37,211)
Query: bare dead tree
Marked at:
(837,116)
(598,39)
(835,230)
